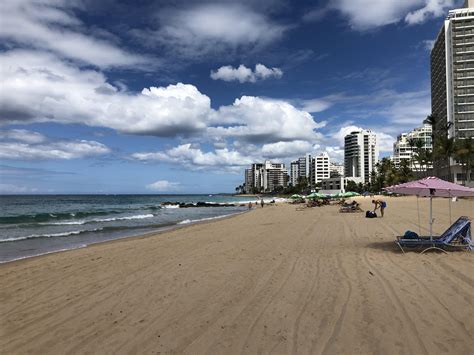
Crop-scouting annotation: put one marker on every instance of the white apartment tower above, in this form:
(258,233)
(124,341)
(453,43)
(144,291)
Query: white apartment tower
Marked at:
(294,172)
(452,82)
(336,169)
(361,153)
(320,168)
(406,147)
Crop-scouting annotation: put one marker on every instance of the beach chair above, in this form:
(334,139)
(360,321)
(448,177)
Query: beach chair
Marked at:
(350,209)
(458,235)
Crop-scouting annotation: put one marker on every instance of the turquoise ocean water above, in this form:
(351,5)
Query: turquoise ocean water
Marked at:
(36,225)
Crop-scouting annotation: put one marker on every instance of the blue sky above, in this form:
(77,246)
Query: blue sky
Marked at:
(180,96)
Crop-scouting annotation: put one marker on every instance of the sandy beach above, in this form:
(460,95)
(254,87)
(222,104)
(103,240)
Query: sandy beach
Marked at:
(275,280)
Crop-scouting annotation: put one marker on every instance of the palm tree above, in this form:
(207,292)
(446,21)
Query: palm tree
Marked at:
(446,148)
(411,143)
(464,153)
(420,156)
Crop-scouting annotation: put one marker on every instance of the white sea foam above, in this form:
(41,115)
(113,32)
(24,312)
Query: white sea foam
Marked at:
(112,219)
(170,206)
(64,234)
(188,221)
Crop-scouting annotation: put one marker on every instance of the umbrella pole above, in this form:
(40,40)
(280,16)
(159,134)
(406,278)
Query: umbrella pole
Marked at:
(431,218)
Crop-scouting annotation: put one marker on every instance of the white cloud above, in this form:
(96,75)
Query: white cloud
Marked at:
(22,135)
(286,149)
(198,30)
(194,158)
(163,185)
(428,44)
(38,87)
(316,105)
(14,146)
(432,8)
(368,14)
(51,25)
(244,74)
(229,160)
(264,120)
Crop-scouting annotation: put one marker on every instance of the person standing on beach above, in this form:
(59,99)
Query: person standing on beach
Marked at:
(261,202)
(379,204)
(250,205)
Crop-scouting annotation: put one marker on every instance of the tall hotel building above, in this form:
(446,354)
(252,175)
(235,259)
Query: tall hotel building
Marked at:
(361,153)
(452,80)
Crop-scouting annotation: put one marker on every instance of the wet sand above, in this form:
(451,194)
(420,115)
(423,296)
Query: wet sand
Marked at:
(274,280)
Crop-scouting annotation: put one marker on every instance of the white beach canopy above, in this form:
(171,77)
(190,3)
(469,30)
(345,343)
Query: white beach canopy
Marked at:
(431,187)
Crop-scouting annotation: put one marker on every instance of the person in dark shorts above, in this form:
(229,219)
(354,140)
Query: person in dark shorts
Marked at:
(379,204)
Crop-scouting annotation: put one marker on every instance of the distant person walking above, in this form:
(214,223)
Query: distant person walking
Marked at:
(379,204)
(250,205)
(262,203)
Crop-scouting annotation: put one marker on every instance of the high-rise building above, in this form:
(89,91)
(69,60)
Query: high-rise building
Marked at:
(320,168)
(294,172)
(361,153)
(408,145)
(452,83)
(266,177)
(336,169)
(301,168)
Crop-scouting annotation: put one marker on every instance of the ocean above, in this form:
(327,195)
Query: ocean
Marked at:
(41,224)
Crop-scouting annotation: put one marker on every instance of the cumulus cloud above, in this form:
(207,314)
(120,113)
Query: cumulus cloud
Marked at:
(244,74)
(163,185)
(257,119)
(286,149)
(229,160)
(51,25)
(15,147)
(38,87)
(194,158)
(368,14)
(214,28)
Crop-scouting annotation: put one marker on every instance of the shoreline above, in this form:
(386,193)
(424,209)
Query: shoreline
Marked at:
(158,231)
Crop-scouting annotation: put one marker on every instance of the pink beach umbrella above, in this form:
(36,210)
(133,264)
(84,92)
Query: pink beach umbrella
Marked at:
(431,187)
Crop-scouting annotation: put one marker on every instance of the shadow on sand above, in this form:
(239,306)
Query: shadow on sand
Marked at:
(385,246)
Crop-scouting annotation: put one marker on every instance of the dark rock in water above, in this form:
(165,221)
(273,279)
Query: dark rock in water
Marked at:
(197,204)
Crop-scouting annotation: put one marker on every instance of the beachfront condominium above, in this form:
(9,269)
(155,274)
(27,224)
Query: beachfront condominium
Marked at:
(361,153)
(301,168)
(266,177)
(320,168)
(452,83)
(414,147)
(336,169)
(313,169)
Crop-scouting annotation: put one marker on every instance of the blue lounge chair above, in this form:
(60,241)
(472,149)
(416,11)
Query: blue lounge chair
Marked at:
(458,235)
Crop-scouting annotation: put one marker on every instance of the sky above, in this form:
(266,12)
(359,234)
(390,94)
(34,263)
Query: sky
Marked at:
(176,96)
